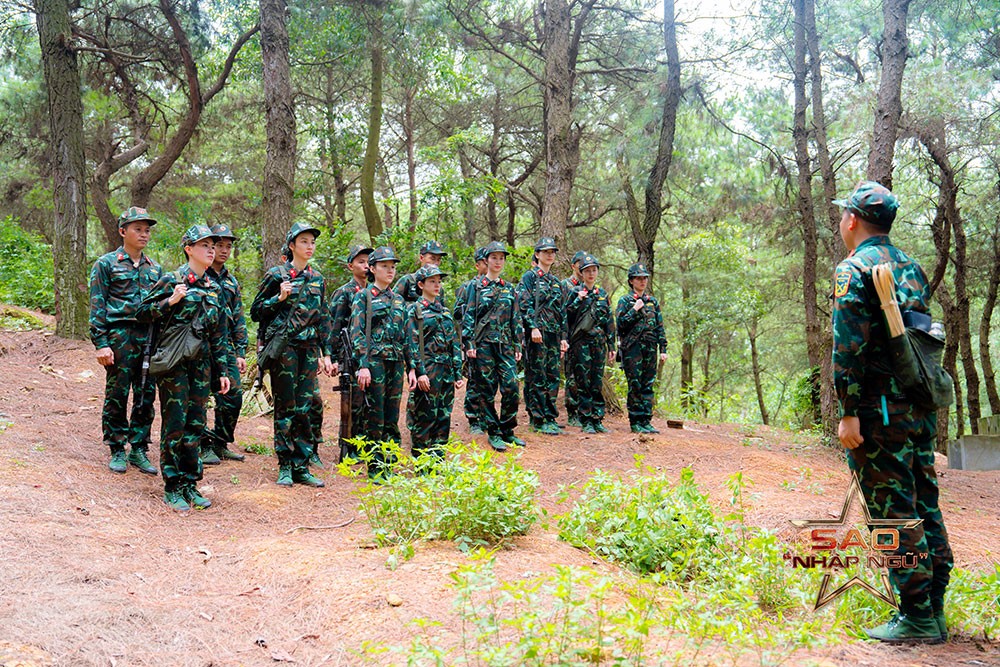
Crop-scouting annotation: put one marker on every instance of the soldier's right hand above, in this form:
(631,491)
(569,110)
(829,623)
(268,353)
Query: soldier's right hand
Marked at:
(536,336)
(638,305)
(106,356)
(364,378)
(286,289)
(180,291)
(470,354)
(336,368)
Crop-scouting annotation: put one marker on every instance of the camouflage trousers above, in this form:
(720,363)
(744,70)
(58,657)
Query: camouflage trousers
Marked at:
(380,416)
(357,414)
(430,419)
(473,404)
(120,427)
(639,364)
(541,379)
(570,390)
(895,465)
(183,405)
(494,368)
(588,355)
(295,386)
(227,409)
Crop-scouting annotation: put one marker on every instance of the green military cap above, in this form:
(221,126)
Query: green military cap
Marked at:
(223,232)
(135,214)
(495,246)
(298,228)
(546,243)
(589,260)
(357,249)
(433,248)
(638,271)
(196,233)
(480,255)
(426,272)
(382,254)
(873,202)
(578,255)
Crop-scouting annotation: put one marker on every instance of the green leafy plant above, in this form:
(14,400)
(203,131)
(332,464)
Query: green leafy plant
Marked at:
(21,281)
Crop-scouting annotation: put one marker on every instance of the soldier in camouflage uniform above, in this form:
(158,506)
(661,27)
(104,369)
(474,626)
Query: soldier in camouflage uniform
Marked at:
(189,298)
(542,302)
(491,335)
(473,402)
(570,285)
(640,330)
(292,297)
(889,440)
(341,302)
(431,254)
(118,283)
(215,444)
(435,365)
(591,341)
(378,318)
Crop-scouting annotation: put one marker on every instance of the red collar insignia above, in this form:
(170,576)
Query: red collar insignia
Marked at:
(374,291)
(192,279)
(575,281)
(540,273)
(120,257)
(426,302)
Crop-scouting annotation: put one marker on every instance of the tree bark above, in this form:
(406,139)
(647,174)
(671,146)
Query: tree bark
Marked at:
(986,325)
(65,107)
(758,384)
(409,138)
(279,165)
(468,201)
(889,105)
(370,163)
(687,342)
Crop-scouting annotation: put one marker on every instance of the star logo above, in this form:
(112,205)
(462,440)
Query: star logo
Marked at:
(854,538)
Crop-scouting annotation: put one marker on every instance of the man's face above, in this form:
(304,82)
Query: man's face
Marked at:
(135,235)
(430,259)
(481,266)
(223,247)
(359,266)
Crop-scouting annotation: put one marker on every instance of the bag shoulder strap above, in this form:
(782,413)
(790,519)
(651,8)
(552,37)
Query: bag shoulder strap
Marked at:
(419,314)
(368,322)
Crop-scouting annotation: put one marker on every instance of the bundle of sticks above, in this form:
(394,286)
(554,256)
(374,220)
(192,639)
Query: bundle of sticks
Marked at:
(885,285)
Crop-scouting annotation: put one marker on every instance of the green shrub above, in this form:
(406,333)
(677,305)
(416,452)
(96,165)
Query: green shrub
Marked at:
(472,497)
(26,279)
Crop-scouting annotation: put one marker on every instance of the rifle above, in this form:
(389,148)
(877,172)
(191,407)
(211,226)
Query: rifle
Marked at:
(147,353)
(346,376)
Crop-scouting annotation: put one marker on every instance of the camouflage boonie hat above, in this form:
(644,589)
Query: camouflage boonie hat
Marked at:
(589,260)
(432,247)
(638,271)
(578,255)
(196,233)
(357,249)
(382,254)
(495,246)
(426,272)
(298,228)
(135,214)
(873,202)
(546,243)
(480,255)
(223,232)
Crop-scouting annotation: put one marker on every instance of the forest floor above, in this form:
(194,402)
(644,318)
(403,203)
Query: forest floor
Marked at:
(97,571)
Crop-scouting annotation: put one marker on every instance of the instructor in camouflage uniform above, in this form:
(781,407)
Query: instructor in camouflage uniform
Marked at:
(640,330)
(119,281)
(491,334)
(291,298)
(542,301)
(569,286)
(431,254)
(435,365)
(215,445)
(591,341)
(889,440)
(188,299)
(473,401)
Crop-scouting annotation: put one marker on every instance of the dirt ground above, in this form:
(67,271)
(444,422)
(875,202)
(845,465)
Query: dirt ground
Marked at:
(97,571)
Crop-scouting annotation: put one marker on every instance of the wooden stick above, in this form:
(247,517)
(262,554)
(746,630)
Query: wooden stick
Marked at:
(885,285)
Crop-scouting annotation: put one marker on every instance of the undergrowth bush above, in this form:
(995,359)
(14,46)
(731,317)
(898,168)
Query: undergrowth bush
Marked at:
(26,279)
(472,497)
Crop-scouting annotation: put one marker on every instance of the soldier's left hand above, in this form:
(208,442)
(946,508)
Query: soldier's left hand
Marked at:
(611,356)
(563,347)
(326,365)
(663,356)
(223,385)
(517,356)
(411,380)
(241,365)
(424,383)
(459,383)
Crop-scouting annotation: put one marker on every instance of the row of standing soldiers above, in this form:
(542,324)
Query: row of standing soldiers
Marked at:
(384,333)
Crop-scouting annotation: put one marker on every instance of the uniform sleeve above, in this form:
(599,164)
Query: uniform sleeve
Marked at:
(156,305)
(221,345)
(661,335)
(98,305)
(456,349)
(469,317)
(851,327)
(561,310)
(336,323)
(241,341)
(325,325)
(625,315)
(526,299)
(610,329)
(266,304)
(411,336)
(517,323)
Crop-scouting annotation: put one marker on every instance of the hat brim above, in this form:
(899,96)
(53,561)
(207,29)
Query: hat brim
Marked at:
(364,251)
(547,247)
(214,237)
(587,266)
(122,224)
(440,275)
(842,203)
(314,230)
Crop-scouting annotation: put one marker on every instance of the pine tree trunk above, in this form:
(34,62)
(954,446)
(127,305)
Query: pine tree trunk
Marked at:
(65,107)
(373,220)
(986,325)
(889,105)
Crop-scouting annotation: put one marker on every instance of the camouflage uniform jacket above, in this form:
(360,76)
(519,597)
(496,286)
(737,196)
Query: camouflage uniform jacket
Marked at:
(595,305)
(232,296)
(117,287)
(203,300)
(388,322)
(309,317)
(861,373)
(406,287)
(441,349)
(496,301)
(543,302)
(643,326)
(341,302)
